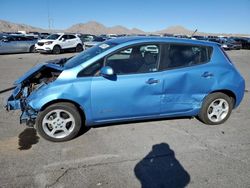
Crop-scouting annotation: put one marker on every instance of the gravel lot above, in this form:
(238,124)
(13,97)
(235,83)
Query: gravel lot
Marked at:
(165,153)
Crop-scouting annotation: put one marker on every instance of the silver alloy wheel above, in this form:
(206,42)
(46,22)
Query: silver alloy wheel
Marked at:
(58,123)
(218,110)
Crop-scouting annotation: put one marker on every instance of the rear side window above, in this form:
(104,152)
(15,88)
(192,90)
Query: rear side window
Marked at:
(64,37)
(181,55)
(71,37)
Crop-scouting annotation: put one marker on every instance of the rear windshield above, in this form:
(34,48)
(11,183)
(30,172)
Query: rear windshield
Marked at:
(88,54)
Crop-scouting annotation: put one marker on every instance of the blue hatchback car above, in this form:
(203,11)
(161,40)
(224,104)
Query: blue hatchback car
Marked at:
(124,79)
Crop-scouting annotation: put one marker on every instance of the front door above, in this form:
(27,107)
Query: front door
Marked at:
(134,91)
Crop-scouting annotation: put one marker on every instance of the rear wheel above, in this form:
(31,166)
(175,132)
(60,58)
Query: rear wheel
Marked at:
(56,50)
(79,48)
(216,109)
(59,122)
(32,49)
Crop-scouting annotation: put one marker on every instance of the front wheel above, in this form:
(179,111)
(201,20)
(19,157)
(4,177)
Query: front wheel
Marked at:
(216,109)
(79,48)
(59,122)
(56,50)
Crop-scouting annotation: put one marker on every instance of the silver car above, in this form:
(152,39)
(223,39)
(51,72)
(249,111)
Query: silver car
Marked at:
(16,44)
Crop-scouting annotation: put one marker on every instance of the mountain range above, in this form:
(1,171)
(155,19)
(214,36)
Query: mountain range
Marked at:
(93,27)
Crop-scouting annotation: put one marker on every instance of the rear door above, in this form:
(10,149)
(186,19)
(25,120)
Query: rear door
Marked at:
(187,77)
(64,42)
(23,44)
(9,45)
(72,41)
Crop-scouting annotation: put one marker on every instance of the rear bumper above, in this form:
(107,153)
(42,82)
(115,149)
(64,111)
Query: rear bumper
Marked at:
(240,94)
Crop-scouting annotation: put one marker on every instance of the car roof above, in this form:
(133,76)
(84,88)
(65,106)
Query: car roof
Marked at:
(65,33)
(138,39)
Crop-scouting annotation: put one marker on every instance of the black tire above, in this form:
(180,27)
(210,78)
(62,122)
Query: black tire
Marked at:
(48,112)
(32,49)
(208,104)
(79,48)
(56,50)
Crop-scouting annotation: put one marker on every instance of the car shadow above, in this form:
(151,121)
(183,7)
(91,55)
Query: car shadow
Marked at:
(159,168)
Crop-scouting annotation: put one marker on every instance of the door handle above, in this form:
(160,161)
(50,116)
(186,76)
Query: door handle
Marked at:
(152,81)
(207,74)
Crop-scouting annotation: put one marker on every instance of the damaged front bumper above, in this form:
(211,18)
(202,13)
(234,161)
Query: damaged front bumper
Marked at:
(27,84)
(28,115)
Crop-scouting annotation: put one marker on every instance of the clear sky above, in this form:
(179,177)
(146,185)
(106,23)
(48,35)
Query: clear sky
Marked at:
(229,16)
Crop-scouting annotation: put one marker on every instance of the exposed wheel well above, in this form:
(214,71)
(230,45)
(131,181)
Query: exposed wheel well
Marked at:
(229,93)
(81,111)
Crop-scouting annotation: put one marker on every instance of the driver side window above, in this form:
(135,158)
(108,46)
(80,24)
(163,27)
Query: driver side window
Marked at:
(136,59)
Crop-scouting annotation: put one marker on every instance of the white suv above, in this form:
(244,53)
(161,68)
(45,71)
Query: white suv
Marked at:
(55,43)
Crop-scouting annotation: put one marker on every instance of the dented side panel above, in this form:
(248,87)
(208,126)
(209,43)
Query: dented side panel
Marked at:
(183,90)
(76,90)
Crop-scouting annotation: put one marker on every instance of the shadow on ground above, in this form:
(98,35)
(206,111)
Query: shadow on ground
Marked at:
(27,138)
(160,169)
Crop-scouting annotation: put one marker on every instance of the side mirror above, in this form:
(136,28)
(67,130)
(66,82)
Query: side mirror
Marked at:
(63,39)
(107,71)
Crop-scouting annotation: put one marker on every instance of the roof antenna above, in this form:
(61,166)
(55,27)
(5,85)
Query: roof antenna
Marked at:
(194,32)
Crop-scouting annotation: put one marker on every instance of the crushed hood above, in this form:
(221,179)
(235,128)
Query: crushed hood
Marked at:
(53,64)
(37,69)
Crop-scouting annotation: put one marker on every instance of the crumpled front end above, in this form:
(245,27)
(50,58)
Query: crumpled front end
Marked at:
(35,78)
(17,101)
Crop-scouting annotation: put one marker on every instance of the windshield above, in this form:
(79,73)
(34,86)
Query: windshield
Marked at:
(88,54)
(231,40)
(53,36)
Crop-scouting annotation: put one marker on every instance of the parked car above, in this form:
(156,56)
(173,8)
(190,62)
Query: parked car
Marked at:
(86,37)
(16,44)
(245,42)
(236,45)
(111,36)
(56,43)
(197,37)
(181,36)
(224,43)
(95,41)
(105,85)
(44,35)
(2,35)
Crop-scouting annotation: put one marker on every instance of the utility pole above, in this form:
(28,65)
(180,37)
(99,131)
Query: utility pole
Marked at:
(50,20)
